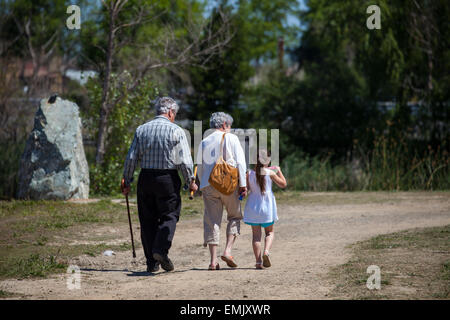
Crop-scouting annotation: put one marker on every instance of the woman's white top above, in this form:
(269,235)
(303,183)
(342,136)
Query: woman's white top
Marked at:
(260,208)
(209,150)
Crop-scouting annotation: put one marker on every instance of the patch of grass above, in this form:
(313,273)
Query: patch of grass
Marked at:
(414,264)
(6,294)
(190,212)
(31,262)
(292,197)
(392,163)
(94,250)
(90,253)
(30,233)
(34,221)
(34,265)
(191,208)
(446,270)
(41,241)
(381,242)
(32,216)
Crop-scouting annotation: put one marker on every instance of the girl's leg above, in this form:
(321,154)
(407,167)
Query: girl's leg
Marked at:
(269,239)
(256,242)
(213,252)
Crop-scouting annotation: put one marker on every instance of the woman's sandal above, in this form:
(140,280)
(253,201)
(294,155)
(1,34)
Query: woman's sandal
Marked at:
(216,267)
(266,261)
(229,260)
(259,265)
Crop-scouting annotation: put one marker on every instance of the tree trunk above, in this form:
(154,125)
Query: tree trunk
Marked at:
(102,134)
(105,106)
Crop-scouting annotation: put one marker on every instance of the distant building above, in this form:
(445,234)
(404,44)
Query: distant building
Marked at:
(81,76)
(46,78)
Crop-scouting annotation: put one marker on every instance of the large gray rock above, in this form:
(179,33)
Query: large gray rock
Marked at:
(53,164)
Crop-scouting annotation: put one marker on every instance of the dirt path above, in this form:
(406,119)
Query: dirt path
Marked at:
(309,239)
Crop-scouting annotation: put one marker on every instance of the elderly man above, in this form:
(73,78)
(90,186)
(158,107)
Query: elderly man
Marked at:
(214,200)
(161,147)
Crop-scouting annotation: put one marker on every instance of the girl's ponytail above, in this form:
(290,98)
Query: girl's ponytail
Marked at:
(263,159)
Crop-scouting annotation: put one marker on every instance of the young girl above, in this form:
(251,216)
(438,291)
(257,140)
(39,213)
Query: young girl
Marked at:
(261,208)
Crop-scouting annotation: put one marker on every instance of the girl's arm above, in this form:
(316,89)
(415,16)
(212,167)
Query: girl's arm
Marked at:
(279,179)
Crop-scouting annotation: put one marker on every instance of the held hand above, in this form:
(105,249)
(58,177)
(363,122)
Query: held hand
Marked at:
(193,186)
(125,189)
(275,169)
(243,191)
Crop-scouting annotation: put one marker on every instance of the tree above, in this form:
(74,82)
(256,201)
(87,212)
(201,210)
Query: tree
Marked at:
(220,85)
(257,27)
(36,31)
(124,42)
(397,62)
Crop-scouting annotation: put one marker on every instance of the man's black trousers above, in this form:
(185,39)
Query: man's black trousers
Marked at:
(159,205)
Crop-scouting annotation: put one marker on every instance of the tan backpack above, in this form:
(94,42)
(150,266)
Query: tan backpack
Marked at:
(224,178)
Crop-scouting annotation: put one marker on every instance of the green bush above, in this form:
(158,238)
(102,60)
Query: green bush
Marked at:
(395,163)
(34,265)
(132,108)
(10,154)
(306,173)
(391,164)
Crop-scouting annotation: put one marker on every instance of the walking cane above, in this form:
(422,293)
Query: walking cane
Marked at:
(192,192)
(131,229)
(129,220)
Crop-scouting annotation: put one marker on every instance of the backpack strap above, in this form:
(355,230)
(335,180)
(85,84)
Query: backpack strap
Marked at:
(221,145)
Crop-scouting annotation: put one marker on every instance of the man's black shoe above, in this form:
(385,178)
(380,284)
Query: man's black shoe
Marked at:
(164,260)
(153,267)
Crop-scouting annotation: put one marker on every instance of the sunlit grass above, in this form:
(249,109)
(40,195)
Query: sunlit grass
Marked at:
(413,264)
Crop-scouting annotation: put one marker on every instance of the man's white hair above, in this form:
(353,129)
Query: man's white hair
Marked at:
(165,104)
(218,118)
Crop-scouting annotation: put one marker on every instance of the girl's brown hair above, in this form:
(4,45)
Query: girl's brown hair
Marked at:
(263,159)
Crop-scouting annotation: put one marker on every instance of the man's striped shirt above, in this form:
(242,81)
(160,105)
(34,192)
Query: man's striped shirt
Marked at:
(159,144)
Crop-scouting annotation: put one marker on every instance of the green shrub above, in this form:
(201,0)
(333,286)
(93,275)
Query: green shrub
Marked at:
(132,108)
(395,163)
(34,265)
(10,154)
(391,164)
(306,173)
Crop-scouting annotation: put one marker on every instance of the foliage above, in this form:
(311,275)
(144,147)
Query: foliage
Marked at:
(133,110)
(403,62)
(320,113)
(372,97)
(357,109)
(10,153)
(395,163)
(32,266)
(306,173)
(257,25)
(222,83)
(45,19)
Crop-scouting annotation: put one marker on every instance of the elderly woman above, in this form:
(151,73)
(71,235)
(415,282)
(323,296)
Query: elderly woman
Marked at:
(161,148)
(214,200)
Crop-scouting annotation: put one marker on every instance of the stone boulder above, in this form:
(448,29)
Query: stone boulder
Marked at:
(53,164)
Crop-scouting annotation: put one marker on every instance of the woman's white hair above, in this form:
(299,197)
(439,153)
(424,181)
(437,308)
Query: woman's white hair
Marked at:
(165,104)
(218,118)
